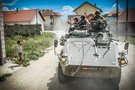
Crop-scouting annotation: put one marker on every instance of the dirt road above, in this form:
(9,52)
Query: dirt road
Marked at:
(42,75)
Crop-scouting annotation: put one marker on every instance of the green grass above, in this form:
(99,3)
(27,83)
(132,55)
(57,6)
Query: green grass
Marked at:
(130,39)
(33,46)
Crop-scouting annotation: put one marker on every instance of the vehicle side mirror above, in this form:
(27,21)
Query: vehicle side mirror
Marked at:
(56,43)
(126,45)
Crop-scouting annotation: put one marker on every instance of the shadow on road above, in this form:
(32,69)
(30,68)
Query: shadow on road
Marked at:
(80,84)
(4,76)
(13,66)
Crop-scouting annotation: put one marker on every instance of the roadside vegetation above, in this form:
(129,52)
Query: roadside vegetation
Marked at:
(33,46)
(130,39)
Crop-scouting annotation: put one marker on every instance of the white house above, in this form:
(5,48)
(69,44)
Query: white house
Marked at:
(51,18)
(24,17)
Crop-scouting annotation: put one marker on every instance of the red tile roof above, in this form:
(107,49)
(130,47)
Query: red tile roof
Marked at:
(21,15)
(113,13)
(48,12)
(131,15)
(57,14)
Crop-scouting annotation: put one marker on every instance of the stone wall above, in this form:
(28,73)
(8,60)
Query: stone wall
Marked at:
(24,30)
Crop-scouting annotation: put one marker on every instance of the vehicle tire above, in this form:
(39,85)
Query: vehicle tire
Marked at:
(115,82)
(61,77)
(117,79)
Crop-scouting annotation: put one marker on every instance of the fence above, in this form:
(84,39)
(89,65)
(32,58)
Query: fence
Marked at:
(24,30)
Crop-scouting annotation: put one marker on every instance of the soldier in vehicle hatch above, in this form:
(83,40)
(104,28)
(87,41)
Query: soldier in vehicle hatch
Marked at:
(98,22)
(75,22)
(83,23)
(98,16)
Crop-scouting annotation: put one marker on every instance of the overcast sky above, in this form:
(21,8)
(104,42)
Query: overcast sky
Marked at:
(63,6)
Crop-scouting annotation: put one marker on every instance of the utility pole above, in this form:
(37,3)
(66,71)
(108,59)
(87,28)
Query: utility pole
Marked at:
(117,15)
(126,20)
(52,19)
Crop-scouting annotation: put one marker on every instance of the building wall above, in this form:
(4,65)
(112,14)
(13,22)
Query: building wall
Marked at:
(48,21)
(23,23)
(2,39)
(56,18)
(25,30)
(111,19)
(38,20)
(85,8)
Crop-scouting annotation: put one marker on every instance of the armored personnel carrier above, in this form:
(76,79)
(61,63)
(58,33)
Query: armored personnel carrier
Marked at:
(90,53)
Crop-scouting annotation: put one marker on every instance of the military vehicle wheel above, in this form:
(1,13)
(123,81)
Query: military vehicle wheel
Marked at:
(116,80)
(115,83)
(62,78)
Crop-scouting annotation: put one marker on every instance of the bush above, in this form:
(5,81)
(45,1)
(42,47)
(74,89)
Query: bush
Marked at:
(33,47)
(130,39)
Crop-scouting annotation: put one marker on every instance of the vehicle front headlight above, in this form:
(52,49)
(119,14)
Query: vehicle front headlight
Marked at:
(63,60)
